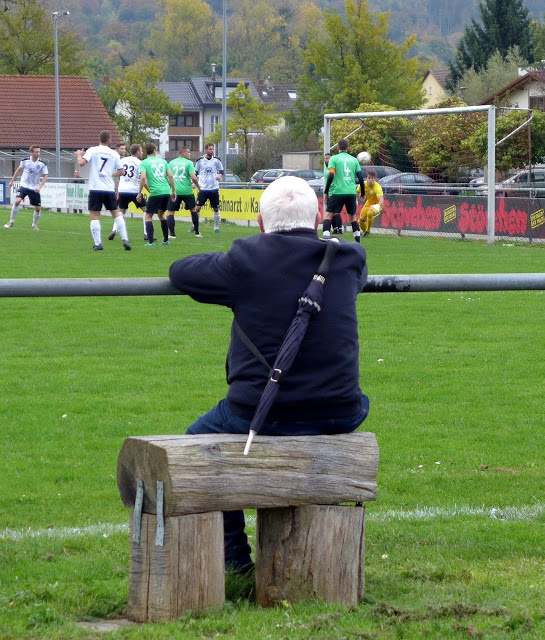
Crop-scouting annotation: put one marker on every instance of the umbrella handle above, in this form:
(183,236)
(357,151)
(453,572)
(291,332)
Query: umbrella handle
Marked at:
(330,251)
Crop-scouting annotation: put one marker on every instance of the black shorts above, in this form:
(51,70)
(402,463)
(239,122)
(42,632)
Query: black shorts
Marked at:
(157,203)
(213,196)
(189,203)
(99,198)
(125,199)
(33,196)
(336,203)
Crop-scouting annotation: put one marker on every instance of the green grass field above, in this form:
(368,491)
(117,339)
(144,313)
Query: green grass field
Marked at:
(455,542)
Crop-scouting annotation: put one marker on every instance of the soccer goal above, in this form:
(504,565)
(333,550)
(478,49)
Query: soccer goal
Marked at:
(442,168)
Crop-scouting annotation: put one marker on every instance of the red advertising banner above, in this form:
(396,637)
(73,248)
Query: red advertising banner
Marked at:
(515,217)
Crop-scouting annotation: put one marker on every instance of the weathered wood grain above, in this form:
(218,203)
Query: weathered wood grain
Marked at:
(210,472)
(186,573)
(310,553)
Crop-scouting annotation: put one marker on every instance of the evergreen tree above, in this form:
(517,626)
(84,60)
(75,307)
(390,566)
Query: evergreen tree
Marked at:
(504,24)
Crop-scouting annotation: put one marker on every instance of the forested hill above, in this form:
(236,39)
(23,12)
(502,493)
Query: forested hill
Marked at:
(426,18)
(125,25)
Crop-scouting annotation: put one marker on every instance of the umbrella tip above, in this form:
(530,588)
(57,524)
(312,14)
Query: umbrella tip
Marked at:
(249,442)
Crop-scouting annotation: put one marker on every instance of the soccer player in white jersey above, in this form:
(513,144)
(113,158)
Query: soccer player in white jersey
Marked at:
(127,187)
(209,172)
(34,177)
(105,165)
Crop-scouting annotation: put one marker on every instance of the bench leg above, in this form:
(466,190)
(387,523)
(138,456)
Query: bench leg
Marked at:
(187,572)
(309,553)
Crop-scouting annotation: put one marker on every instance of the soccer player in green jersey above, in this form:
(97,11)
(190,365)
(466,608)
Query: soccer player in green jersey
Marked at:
(340,189)
(336,221)
(185,178)
(157,177)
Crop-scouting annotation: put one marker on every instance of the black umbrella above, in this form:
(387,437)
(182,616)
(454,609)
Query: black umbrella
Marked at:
(310,303)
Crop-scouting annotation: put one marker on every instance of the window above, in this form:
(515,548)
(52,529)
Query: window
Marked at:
(214,122)
(175,144)
(537,103)
(218,91)
(292,95)
(185,120)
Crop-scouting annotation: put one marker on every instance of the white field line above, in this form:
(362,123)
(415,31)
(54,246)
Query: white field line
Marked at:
(424,513)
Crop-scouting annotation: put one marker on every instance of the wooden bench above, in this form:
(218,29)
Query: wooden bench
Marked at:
(309,544)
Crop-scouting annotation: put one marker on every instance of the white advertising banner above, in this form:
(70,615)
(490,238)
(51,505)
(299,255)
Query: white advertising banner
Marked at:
(71,196)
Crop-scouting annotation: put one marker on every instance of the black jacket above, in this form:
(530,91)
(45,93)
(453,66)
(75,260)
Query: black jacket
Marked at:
(261,278)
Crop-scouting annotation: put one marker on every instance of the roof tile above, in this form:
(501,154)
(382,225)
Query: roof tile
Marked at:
(28,113)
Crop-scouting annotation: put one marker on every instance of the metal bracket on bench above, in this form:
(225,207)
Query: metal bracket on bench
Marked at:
(160,535)
(137,518)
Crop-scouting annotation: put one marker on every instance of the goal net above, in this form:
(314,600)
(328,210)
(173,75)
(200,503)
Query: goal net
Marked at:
(452,171)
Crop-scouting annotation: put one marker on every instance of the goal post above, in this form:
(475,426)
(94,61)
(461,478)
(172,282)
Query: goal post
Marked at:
(488,110)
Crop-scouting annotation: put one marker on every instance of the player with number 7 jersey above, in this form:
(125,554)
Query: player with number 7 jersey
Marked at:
(105,165)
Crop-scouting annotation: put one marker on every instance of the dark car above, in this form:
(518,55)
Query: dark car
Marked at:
(380,170)
(410,183)
(231,181)
(265,176)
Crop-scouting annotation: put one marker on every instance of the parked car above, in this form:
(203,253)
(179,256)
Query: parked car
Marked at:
(317,183)
(524,183)
(380,170)
(265,176)
(231,181)
(410,183)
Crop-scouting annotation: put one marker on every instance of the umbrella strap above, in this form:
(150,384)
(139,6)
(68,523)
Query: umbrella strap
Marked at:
(251,346)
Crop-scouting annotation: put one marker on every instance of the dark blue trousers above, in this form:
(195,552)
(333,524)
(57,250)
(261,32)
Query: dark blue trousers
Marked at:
(221,419)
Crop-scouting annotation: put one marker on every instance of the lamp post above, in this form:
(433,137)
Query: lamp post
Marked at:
(224,89)
(56,15)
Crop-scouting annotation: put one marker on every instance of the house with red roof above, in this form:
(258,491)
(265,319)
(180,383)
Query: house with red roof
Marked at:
(28,116)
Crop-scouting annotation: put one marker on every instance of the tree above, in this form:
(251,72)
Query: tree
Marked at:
(538,38)
(355,62)
(504,24)
(438,144)
(135,104)
(27,41)
(386,139)
(513,152)
(497,73)
(187,38)
(249,117)
(260,43)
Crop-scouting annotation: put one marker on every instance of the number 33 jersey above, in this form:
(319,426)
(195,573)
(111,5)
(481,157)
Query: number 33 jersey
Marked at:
(130,181)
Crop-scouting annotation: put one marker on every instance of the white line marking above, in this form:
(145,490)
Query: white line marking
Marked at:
(529,512)
(101,529)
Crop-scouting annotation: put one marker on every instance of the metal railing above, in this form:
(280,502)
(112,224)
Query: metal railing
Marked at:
(77,287)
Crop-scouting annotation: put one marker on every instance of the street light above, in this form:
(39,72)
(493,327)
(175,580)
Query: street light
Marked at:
(224,89)
(56,15)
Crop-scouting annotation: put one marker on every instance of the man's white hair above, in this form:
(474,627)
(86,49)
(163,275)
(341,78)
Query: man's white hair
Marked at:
(288,203)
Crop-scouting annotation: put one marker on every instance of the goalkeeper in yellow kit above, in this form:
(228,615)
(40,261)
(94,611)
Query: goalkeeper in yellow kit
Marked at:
(374,200)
